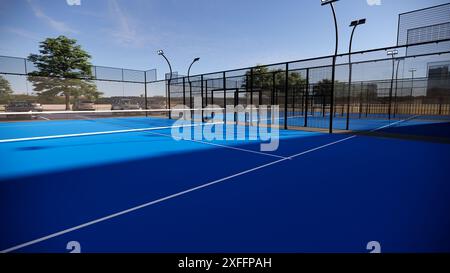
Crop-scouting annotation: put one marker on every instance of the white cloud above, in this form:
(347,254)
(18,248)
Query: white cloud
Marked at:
(73,2)
(125,32)
(55,24)
(374,2)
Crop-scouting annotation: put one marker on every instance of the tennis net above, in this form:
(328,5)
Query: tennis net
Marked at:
(22,126)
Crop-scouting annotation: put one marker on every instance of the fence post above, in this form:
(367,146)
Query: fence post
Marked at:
(286,86)
(201,94)
(251,86)
(224,97)
(168,106)
(145,93)
(273,89)
(306,97)
(206,93)
(367,102)
(293,100)
(184,92)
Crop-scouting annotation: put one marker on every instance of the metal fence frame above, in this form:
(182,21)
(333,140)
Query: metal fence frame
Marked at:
(222,76)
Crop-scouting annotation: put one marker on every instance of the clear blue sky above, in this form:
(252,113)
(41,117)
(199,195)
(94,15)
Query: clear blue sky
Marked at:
(226,34)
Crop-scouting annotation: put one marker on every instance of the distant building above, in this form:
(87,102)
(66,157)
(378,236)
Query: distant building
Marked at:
(424,25)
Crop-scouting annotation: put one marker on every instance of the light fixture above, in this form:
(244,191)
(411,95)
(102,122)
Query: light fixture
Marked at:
(392,52)
(160,52)
(358,22)
(326,2)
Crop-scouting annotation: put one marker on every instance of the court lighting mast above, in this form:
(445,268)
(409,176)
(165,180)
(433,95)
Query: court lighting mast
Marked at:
(353,25)
(161,53)
(189,80)
(333,72)
(391,53)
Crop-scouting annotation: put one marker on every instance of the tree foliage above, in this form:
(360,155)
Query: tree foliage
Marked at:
(5,88)
(263,77)
(63,69)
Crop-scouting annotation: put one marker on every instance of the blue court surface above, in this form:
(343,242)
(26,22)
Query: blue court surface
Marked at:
(143,191)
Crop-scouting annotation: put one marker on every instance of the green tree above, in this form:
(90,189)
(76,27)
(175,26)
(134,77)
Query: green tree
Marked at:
(263,77)
(5,88)
(264,80)
(63,68)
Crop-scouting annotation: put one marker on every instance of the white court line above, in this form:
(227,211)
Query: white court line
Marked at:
(223,146)
(44,118)
(62,232)
(391,124)
(100,133)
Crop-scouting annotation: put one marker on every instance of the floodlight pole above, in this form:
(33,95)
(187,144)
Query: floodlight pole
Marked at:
(160,52)
(354,24)
(333,72)
(189,80)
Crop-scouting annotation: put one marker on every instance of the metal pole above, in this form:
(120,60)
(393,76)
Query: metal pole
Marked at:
(391,88)
(168,98)
(396,87)
(184,91)
(145,93)
(26,73)
(201,90)
(333,73)
(367,101)
(412,87)
(224,97)
(190,94)
(251,86)
(206,92)
(306,97)
(190,85)
(273,89)
(349,77)
(286,86)
(360,100)
(168,84)
(236,102)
